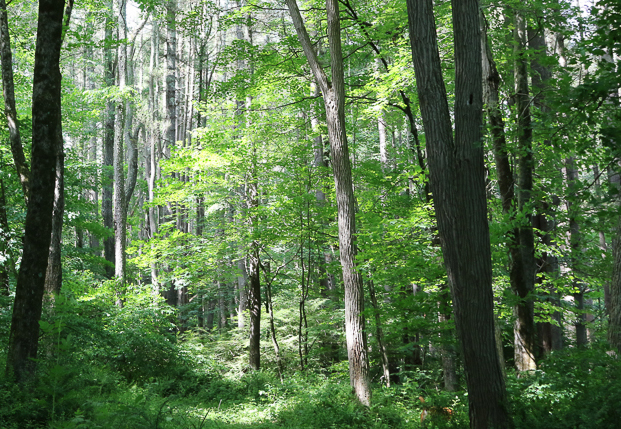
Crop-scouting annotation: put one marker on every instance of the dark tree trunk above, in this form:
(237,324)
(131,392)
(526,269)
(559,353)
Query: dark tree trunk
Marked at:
(108,149)
(46,140)
(4,239)
(521,244)
(54,272)
(254,305)
(458,186)
(524,267)
(9,101)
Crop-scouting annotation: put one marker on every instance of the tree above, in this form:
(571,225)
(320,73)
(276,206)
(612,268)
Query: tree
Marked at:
(46,144)
(334,99)
(458,187)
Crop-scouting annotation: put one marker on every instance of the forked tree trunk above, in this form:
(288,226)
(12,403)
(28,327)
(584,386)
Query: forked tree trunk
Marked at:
(458,186)
(334,100)
(46,141)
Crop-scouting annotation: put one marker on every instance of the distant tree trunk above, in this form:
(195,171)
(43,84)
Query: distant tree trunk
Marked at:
(54,272)
(521,240)
(458,186)
(154,146)
(120,205)
(46,141)
(242,280)
(614,321)
(380,336)
(4,240)
(548,333)
(334,100)
(170,125)
(254,305)
(524,268)
(9,101)
(108,147)
(575,242)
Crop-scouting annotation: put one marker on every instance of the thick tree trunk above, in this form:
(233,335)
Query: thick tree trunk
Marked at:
(334,100)
(458,186)
(46,141)
(108,149)
(9,101)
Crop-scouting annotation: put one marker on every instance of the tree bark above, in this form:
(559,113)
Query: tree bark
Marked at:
(9,101)
(334,100)
(4,240)
(46,141)
(108,148)
(457,182)
(54,272)
(120,205)
(524,267)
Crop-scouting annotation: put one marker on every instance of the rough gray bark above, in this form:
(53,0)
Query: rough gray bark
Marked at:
(46,141)
(334,100)
(120,205)
(458,186)
(9,101)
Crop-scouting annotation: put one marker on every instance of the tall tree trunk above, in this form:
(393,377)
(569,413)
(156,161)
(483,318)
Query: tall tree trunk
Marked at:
(575,242)
(120,205)
(170,126)
(334,100)
(46,141)
(523,269)
(154,145)
(108,147)
(458,186)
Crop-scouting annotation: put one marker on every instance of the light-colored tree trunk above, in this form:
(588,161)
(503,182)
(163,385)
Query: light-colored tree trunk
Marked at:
(334,99)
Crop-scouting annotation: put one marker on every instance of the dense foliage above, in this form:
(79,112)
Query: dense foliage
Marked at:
(247,183)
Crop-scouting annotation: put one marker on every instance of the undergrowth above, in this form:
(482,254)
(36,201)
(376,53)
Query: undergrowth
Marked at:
(105,367)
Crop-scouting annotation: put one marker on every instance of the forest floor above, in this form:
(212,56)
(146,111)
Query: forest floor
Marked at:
(109,368)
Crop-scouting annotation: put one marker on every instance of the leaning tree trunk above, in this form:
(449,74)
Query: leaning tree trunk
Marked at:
(334,100)
(9,101)
(457,174)
(46,141)
(54,272)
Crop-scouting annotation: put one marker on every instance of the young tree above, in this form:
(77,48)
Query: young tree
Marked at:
(458,186)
